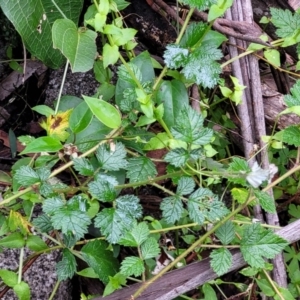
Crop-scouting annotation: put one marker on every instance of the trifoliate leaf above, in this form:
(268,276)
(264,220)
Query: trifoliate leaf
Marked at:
(186,185)
(150,248)
(83,166)
(203,204)
(102,190)
(140,169)
(258,243)
(200,4)
(56,125)
(113,223)
(294,98)
(132,265)
(287,23)
(266,201)
(189,128)
(225,233)
(102,261)
(67,266)
(51,205)
(239,168)
(43,223)
(112,159)
(130,205)
(136,236)
(291,136)
(172,209)
(26,176)
(193,34)
(221,260)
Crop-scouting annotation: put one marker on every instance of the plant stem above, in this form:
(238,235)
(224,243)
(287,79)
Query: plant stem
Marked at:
(61,87)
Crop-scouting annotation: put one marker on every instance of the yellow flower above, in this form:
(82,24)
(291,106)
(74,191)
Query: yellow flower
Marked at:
(56,125)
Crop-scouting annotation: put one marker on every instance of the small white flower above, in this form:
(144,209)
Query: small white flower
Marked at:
(257,175)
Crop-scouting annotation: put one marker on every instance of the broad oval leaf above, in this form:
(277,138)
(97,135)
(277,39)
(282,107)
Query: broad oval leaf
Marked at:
(80,117)
(43,144)
(77,45)
(104,112)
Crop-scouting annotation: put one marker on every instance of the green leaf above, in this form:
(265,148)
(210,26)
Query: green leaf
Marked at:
(101,260)
(51,205)
(81,116)
(104,112)
(258,243)
(14,240)
(294,98)
(266,287)
(189,128)
(203,204)
(22,290)
(9,278)
(26,176)
(209,292)
(130,205)
(199,4)
(76,44)
(35,243)
(194,32)
(217,11)
(110,55)
(241,166)
(273,57)
(173,95)
(43,144)
(287,23)
(226,233)
(33,20)
(112,159)
(83,166)
(101,74)
(136,236)
(266,201)
(44,110)
(178,157)
(175,56)
(172,209)
(221,260)
(186,185)
(43,223)
(140,169)
(87,272)
(132,265)
(291,136)
(102,190)
(150,248)
(115,283)
(67,266)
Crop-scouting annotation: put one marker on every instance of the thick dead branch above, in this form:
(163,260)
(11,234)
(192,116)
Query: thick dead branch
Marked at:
(190,277)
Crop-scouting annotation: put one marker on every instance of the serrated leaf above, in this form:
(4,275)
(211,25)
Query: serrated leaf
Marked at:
(113,223)
(172,209)
(240,195)
(287,23)
(203,204)
(199,4)
(189,128)
(136,236)
(266,201)
(132,265)
(102,190)
(175,56)
(238,165)
(150,248)
(258,243)
(115,283)
(186,185)
(43,223)
(226,233)
(77,44)
(83,166)
(43,144)
(131,205)
(67,266)
(70,221)
(51,205)
(102,261)
(140,169)
(294,98)
(291,136)
(26,176)
(112,159)
(35,243)
(178,157)
(193,34)
(221,260)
